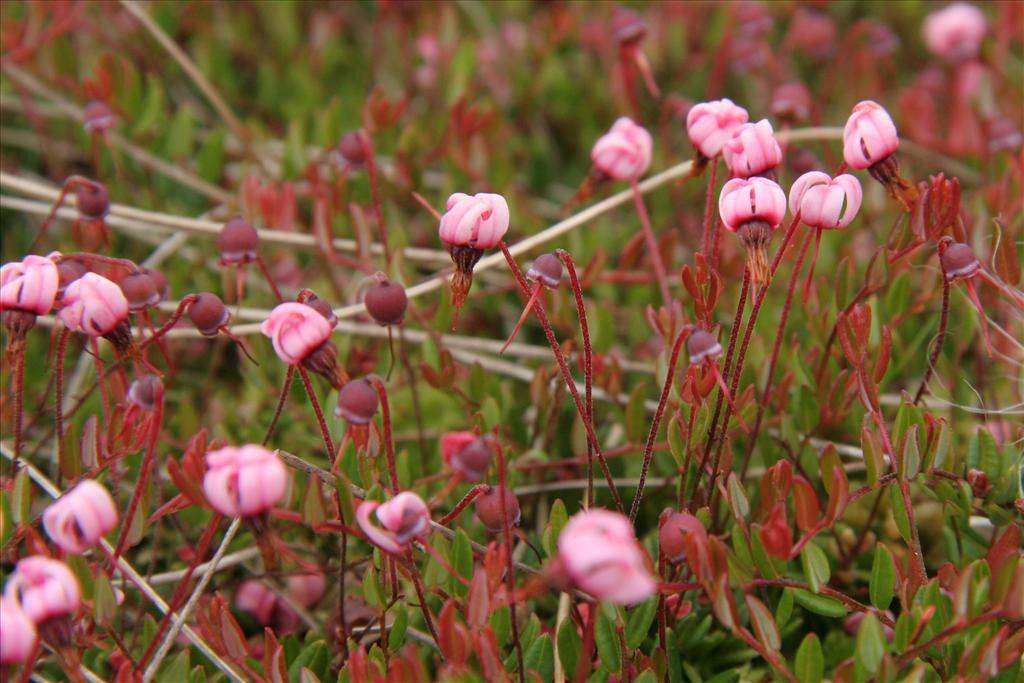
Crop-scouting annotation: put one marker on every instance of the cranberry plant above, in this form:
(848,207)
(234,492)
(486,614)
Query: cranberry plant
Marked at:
(404,341)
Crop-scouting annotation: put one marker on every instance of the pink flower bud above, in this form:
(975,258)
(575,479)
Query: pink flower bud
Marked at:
(254,597)
(403,519)
(17,633)
(869,135)
(673,533)
(98,117)
(792,101)
(701,345)
(80,517)
(489,510)
(466,453)
(244,481)
(752,149)
(955,32)
(44,589)
(751,199)
(93,305)
(479,221)
(602,557)
(711,124)
(296,330)
(306,589)
(624,152)
(29,285)
(824,202)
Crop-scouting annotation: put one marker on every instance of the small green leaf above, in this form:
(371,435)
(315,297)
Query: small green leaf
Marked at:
(784,609)
(737,497)
(870,644)
(501,624)
(911,454)
(816,567)
(675,440)
(899,512)
(104,602)
(21,500)
(540,657)
(373,591)
(675,659)
(462,562)
(763,623)
(396,636)
(819,604)
(636,421)
(942,447)
(810,662)
(639,622)
(607,643)
(569,646)
(176,668)
(883,577)
(314,657)
(348,511)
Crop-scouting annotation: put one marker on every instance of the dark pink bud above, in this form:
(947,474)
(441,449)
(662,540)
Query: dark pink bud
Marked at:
(357,402)
(628,27)
(98,117)
(468,454)
(93,200)
(238,242)
(959,262)
(490,512)
(979,482)
(386,301)
(323,307)
(813,33)
(673,534)
(350,150)
(547,269)
(163,288)
(702,345)
(140,291)
(792,102)
(208,313)
(69,270)
(145,391)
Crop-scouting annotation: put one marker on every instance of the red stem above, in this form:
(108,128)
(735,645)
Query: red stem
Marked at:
(289,377)
(472,495)
(526,311)
(140,487)
(389,442)
(19,390)
(705,243)
(566,374)
(58,406)
(733,335)
(588,364)
(182,590)
(171,322)
(653,434)
(324,431)
(510,580)
(371,171)
(779,332)
(934,356)
(270,280)
(652,242)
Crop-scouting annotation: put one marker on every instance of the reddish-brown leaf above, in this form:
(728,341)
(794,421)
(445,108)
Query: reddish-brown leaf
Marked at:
(806,503)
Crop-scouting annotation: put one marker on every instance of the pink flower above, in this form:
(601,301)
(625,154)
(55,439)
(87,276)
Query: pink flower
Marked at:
(955,32)
(479,221)
(711,124)
(869,135)
(244,481)
(749,199)
(29,285)
(403,519)
(752,149)
(306,589)
(602,557)
(94,305)
(257,599)
(296,331)
(624,152)
(80,517)
(17,633)
(823,202)
(466,453)
(44,589)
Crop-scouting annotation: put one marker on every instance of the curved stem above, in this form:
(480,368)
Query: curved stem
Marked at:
(472,495)
(652,242)
(389,442)
(733,335)
(324,431)
(588,365)
(270,280)
(522,318)
(779,332)
(563,365)
(289,377)
(171,322)
(653,434)
(933,358)
(144,470)
(371,172)
(19,390)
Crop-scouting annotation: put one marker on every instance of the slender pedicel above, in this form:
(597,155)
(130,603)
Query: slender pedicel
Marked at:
(546,272)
